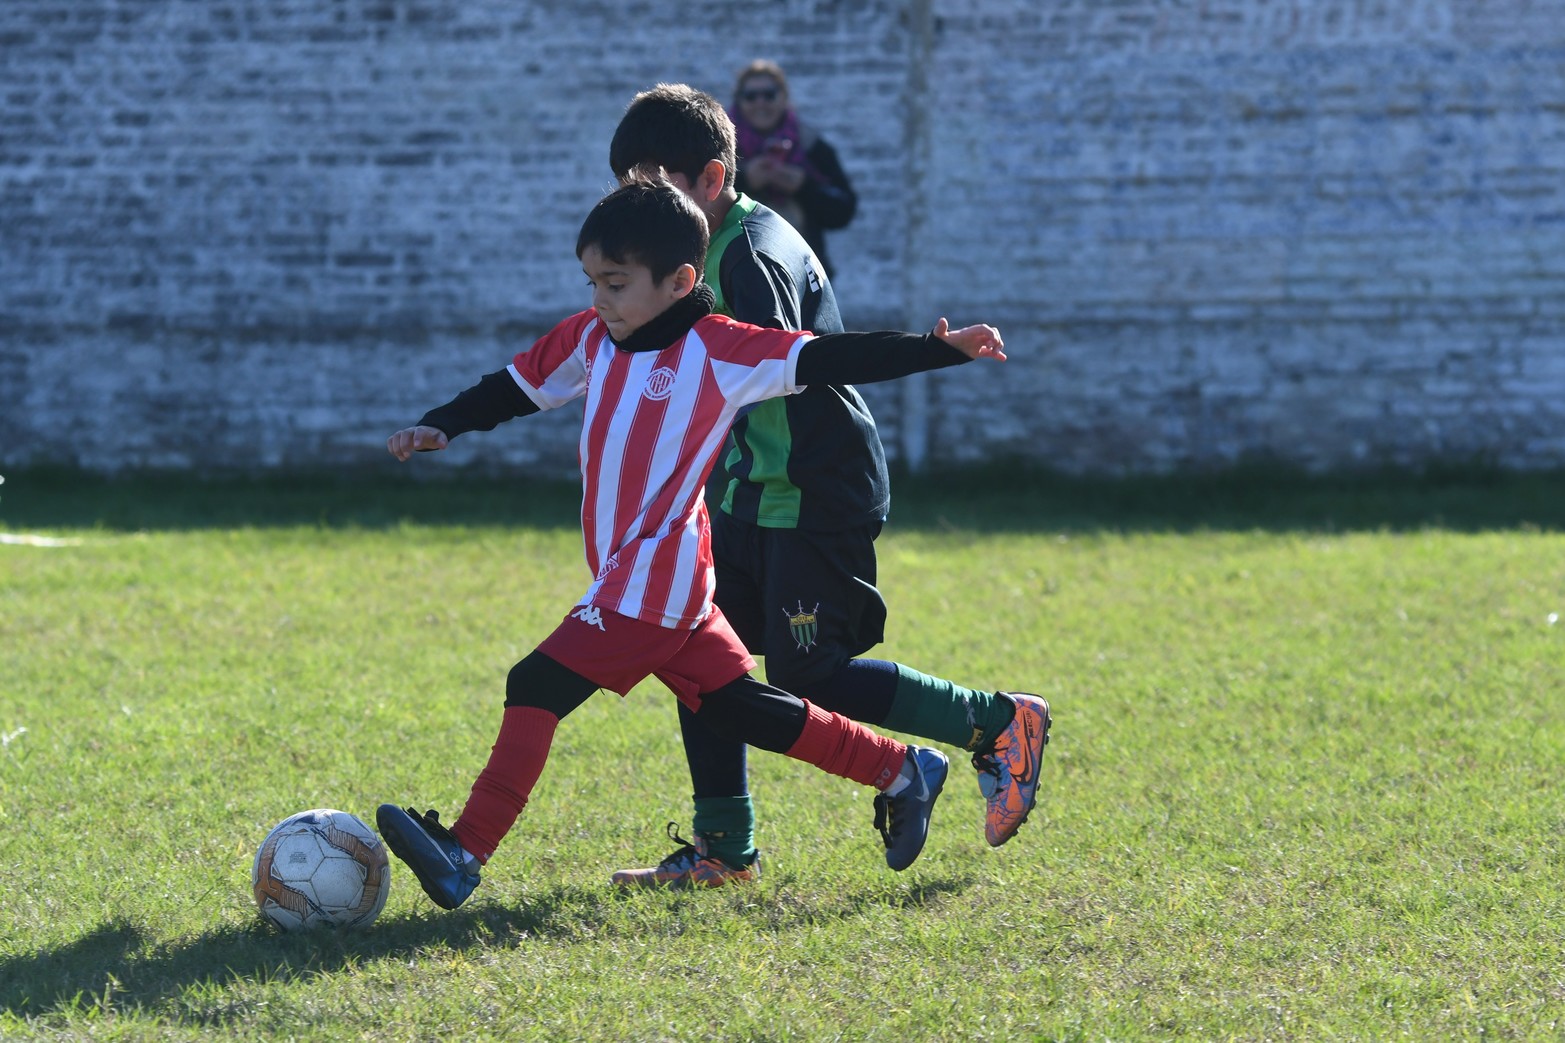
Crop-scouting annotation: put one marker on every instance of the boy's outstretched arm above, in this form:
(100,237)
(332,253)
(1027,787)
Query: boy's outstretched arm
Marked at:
(863,358)
(495,399)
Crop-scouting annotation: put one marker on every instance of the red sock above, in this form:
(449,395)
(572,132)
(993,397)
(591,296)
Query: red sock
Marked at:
(833,743)
(502,788)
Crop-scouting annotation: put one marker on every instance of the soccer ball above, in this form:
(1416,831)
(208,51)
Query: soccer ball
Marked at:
(320,867)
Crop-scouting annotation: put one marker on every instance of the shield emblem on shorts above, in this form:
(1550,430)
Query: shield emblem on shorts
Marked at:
(801,623)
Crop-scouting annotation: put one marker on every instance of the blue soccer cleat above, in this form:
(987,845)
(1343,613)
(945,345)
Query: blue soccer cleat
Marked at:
(436,857)
(903,820)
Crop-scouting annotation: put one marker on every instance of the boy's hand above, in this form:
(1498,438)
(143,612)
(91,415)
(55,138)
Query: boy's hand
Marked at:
(412,440)
(976,342)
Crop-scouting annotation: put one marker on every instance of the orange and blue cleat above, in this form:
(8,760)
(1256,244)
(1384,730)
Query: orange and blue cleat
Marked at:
(1008,768)
(690,866)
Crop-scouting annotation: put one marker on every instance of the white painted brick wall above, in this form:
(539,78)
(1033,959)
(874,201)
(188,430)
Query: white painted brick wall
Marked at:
(1325,231)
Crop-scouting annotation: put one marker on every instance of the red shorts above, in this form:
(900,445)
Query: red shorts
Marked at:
(617,652)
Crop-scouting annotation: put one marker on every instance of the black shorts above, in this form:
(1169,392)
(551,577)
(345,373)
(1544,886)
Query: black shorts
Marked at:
(804,600)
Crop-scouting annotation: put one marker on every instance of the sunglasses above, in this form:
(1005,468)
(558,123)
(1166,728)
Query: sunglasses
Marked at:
(759,94)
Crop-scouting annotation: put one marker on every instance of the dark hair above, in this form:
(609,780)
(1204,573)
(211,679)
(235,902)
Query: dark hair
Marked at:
(647,221)
(760,67)
(676,127)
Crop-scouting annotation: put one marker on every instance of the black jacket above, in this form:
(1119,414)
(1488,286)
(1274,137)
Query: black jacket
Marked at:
(821,204)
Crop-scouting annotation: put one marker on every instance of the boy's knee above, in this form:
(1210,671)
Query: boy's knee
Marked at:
(753,713)
(542,682)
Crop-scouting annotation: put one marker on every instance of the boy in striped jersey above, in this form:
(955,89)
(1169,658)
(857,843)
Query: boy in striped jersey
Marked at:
(663,379)
(793,541)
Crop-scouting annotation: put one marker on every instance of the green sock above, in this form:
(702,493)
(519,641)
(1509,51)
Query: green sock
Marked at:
(944,711)
(727,824)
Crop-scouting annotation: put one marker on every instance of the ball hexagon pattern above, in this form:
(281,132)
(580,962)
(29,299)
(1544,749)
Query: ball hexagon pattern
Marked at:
(320,868)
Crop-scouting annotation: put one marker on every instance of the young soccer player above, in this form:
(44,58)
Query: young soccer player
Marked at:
(662,378)
(794,539)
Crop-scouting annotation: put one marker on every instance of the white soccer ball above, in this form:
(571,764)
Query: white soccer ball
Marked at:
(321,867)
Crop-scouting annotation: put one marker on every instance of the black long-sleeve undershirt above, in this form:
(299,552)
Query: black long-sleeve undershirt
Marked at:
(495,399)
(865,358)
(836,358)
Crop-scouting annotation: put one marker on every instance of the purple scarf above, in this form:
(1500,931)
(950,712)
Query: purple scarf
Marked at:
(753,142)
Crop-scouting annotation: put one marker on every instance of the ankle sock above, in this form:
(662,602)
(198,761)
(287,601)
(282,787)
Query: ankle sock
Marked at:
(904,777)
(944,711)
(727,824)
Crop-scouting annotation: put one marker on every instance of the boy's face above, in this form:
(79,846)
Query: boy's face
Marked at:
(624,295)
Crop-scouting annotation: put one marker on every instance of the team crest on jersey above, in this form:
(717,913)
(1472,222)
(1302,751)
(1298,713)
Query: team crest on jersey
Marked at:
(802,625)
(660,384)
(608,566)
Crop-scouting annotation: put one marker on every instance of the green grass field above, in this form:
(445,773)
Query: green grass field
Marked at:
(1305,779)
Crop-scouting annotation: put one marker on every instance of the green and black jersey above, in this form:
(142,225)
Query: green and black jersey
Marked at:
(811,460)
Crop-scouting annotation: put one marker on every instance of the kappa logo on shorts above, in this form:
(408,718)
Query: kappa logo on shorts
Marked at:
(802,625)
(660,384)
(590,615)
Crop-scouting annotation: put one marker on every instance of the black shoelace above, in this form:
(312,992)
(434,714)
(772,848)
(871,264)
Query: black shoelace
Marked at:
(685,851)
(430,820)
(884,820)
(986,762)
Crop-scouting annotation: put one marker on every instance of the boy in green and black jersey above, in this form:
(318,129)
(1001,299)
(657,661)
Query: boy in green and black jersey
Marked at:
(794,538)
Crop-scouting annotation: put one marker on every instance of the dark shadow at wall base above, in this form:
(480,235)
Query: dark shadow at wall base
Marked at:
(992,498)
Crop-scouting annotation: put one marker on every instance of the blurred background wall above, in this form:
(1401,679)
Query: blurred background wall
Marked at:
(237,233)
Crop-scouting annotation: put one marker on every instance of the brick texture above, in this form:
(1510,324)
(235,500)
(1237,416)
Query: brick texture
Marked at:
(240,234)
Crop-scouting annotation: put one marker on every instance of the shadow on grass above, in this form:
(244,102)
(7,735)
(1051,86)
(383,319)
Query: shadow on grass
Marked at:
(993,499)
(120,965)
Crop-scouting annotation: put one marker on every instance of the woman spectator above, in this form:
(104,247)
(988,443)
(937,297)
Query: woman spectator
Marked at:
(785,164)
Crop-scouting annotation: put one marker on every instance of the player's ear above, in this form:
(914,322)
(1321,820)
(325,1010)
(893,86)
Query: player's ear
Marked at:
(685,279)
(710,184)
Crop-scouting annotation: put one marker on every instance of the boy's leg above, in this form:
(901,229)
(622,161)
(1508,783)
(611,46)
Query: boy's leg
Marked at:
(723,825)
(834,573)
(539,692)
(909,778)
(880,692)
(721,850)
(771,719)
(724,820)
(1006,732)
(808,601)
(834,614)
(744,556)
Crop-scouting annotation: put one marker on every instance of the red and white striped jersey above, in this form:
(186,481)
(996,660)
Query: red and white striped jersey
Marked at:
(653,424)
